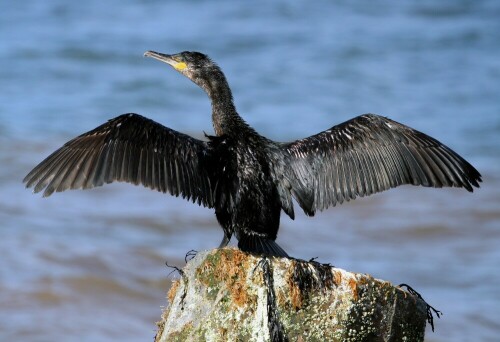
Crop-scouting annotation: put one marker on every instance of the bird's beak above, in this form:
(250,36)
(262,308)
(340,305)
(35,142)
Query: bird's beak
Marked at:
(172,60)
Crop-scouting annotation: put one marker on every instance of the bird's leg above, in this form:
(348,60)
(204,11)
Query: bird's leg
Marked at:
(225,240)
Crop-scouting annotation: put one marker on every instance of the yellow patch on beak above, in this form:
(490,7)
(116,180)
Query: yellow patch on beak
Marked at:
(180,66)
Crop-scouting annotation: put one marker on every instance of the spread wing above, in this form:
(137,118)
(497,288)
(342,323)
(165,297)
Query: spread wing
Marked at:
(129,148)
(369,154)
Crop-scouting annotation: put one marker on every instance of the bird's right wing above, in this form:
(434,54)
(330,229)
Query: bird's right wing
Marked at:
(129,148)
(369,154)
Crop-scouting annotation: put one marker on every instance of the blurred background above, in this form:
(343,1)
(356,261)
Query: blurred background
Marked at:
(90,265)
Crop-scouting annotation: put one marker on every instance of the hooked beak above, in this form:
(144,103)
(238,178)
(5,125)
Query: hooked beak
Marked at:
(172,60)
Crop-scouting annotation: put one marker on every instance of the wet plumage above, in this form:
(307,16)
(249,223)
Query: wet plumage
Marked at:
(246,178)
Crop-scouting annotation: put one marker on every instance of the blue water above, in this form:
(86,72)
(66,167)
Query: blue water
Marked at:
(89,265)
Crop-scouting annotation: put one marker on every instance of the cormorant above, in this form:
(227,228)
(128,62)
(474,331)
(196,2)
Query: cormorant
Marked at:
(245,177)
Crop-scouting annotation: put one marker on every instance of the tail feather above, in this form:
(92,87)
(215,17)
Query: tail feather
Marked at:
(260,245)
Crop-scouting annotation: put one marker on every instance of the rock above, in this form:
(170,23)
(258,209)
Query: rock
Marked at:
(228,295)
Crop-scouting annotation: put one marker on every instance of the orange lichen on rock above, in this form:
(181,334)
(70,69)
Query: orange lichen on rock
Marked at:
(239,292)
(354,288)
(295,295)
(234,274)
(230,269)
(173,290)
(338,277)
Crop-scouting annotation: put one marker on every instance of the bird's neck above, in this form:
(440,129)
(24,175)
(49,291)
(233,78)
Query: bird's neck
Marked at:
(225,118)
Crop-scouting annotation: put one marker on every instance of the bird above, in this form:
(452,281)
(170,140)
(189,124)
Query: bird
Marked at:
(245,177)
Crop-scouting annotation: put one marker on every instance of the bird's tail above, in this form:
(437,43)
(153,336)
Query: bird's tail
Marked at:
(260,245)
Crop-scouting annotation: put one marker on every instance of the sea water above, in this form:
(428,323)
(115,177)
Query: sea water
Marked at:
(90,265)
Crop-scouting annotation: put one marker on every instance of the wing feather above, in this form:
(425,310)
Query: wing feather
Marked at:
(129,148)
(366,155)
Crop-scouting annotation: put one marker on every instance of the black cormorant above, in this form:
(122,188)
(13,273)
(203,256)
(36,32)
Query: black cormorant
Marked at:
(246,178)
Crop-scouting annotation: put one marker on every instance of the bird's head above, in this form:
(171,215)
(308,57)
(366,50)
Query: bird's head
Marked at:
(194,65)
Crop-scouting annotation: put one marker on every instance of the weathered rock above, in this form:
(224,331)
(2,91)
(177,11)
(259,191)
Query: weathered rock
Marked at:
(228,295)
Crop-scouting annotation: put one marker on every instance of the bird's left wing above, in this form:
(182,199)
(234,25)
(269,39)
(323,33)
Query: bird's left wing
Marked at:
(369,154)
(129,148)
